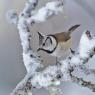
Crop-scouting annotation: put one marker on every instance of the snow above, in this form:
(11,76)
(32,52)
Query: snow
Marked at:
(86,44)
(48,77)
(12,17)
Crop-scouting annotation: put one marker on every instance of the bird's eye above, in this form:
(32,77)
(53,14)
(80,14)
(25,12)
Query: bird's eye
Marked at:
(43,44)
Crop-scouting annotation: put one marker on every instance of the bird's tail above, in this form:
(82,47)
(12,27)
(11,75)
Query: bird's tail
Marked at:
(73,28)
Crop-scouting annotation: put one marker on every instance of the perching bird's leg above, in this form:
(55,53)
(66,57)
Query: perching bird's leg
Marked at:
(57,61)
(72,51)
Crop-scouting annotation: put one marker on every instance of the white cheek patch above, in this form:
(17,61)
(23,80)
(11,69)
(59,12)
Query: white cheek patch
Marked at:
(53,44)
(50,44)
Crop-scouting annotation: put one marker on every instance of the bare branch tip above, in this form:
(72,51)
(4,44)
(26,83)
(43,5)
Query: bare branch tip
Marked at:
(88,33)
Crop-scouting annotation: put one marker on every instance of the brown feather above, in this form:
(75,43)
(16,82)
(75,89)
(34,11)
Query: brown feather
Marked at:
(62,37)
(65,36)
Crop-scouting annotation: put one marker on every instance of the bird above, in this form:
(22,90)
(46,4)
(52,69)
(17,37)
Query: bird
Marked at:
(57,44)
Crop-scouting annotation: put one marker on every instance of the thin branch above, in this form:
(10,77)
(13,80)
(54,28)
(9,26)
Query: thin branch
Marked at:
(81,81)
(24,87)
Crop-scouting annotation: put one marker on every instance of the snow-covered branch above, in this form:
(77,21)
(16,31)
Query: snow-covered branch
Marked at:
(50,9)
(51,76)
(24,87)
(64,72)
(66,67)
(29,16)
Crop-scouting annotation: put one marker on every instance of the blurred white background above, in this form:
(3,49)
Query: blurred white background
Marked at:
(12,69)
